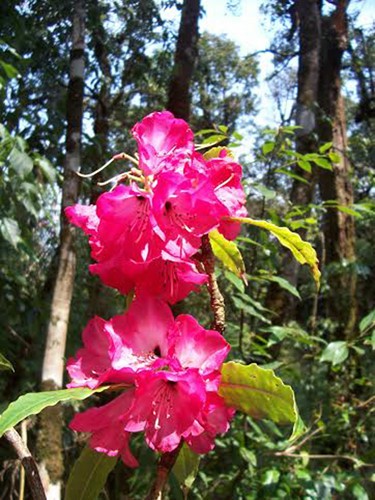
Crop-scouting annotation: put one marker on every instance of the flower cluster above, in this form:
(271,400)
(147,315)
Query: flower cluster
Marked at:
(146,236)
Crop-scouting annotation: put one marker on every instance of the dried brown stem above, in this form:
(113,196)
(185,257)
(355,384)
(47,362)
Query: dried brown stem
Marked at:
(28,462)
(166,462)
(217,300)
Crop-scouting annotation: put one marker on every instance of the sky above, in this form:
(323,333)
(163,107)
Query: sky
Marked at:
(252,32)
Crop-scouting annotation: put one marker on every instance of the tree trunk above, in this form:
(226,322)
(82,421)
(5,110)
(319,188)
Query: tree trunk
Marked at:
(49,445)
(308,14)
(179,99)
(335,185)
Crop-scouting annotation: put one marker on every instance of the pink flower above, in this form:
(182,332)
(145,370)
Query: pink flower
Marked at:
(186,208)
(225,175)
(174,366)
(107,429)
(163,142)
(170,278)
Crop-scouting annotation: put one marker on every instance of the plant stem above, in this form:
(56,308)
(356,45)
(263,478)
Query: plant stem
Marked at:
(166,462)
(217,300)
(28,462)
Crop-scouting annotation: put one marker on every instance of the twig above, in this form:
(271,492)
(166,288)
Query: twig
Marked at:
(217,300)
(166,462)
(28,462)
(22,471)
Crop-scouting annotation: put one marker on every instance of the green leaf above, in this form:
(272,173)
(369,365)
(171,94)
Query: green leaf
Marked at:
(367,322)
(10,230)
(323,163)
(227,252)
(268,147)
(335,352)
(20,162)
(34,402)
(292,175)
(325,147)
(257,392)
(347,210)
(215,153)
(249,309)
(10,71)
(89,475)
(302,251)
(235,280)
(186,468)
(5,364)
(269,194)
(334,157)
(305,165)
(285,285)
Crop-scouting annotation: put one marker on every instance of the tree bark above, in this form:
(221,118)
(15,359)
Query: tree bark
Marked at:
(49,444)
(335,185)
(308,14)
(179,99)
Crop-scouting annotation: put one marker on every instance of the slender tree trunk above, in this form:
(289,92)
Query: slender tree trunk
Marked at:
(185,56)
(49,445)
(308,15)
(335,185)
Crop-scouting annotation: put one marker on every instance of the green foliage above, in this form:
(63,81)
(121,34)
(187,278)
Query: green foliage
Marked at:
(89,474)
(186,468)
(34,403)
(302,251)
(257,392)
(227,252)
(5,364)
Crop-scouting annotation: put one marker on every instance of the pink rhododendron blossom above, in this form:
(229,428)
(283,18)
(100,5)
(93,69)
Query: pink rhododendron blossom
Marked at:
(225,175)
(107,429)
(181,196)
(170,278)
(162,139)
(174,366)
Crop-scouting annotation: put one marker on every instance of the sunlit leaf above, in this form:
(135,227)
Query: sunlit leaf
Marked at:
(367,322)
(227,252)
(20,162)
(325,147)
(303,252)
(335,352)
(215,153)
(10,230)
(257,392)
(34,402)
(268,147)
(5,364)
(89,475)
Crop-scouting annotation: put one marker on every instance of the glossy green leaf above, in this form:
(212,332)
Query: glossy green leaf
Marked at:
(257,392)
(10,230)
(186,468)
(20,162)
(325,147)
(5,364)
(302,251)
(368,322)
(335,352)
(268,147)
(34,402)
(215,153)
(89,475)
(285,285)
(305,165)
(10,71)
(323,163)
(334,157)
(227,252)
